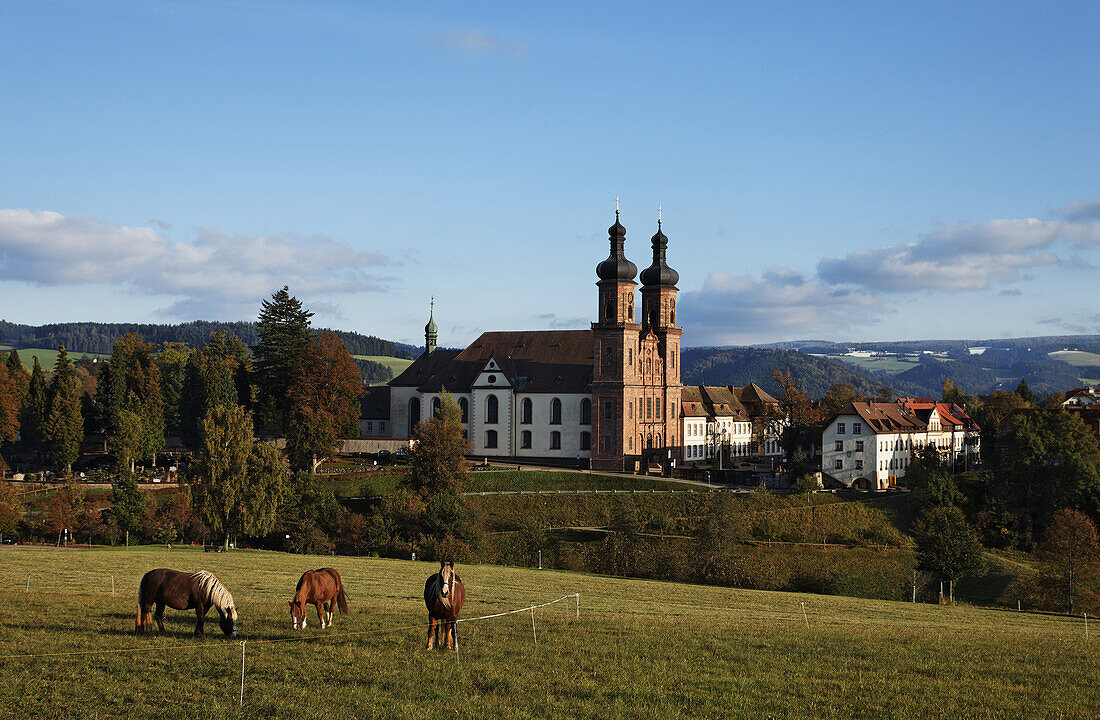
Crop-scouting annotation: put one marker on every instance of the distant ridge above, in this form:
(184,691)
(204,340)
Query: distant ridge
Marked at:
(100,338)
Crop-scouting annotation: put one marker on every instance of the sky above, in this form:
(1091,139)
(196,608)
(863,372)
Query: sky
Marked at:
(839,171)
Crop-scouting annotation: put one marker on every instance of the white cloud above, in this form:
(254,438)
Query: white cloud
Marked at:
(214,275)
(473,42)
(731,309)
(959,257)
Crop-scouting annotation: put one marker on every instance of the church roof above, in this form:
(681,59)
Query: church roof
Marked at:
(423,368)
(546,361)
(375,404)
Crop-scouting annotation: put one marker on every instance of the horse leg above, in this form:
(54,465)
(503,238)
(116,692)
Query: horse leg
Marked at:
(200,620)
(432,627)
(320,616)
(330,608)
(160,616)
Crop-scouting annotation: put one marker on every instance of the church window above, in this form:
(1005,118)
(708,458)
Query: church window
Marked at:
(630,356)
(630,442)
(586,412)
(608,410)
(464,406)
(630,410)
(381,427)
(525,440)
(414,414)
(491,413)
(525,411)
(437,406)
(369,427)
(555,440)
(605,444)
(658,440)
(657,408)
(630,308)
(586,441)
(648,408)
(490,438)
(555,412)
(609,311)
(649,441)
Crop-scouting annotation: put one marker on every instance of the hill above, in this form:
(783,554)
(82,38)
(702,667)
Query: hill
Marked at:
(100,338)
(740,366)
(632,649)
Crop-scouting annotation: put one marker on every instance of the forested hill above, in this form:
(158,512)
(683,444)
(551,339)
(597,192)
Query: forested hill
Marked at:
(91,337)
(742,365)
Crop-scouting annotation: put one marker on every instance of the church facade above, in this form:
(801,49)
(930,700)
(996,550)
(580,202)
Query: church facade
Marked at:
(608,396)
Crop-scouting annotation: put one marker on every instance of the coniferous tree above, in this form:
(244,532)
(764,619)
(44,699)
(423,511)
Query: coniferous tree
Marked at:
(16,371)
(35,411)
(216,375)
(10,401)
(65,422)
(171,364)
(283,332)
(133,404)
(1025,392)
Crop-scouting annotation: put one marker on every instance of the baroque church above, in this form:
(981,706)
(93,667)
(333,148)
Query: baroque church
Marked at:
(608,397)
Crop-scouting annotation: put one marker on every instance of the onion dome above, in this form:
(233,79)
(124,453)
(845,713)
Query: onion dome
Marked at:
(659,274)
(431,332)
(616,266)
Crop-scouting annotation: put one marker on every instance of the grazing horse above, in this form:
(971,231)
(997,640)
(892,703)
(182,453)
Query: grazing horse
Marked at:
(318,587)
(183,591)
(444,594)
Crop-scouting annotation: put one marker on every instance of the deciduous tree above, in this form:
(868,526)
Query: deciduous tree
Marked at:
(238,484)
(947,545)
(324,402)
(437,473)
(1071,547)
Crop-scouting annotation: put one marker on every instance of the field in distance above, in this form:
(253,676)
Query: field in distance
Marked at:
(47,358)
(397,365)
(638,649)
(1077,358)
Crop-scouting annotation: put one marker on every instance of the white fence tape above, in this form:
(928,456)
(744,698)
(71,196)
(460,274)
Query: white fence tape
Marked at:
(526,609)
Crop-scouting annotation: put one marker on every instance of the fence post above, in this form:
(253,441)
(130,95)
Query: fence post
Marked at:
(28,582)
(533,635)
(804,618)
(242,672)
(578,606)
(1086,626)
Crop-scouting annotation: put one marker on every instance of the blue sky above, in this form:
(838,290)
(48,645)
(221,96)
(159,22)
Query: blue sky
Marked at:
(877,170)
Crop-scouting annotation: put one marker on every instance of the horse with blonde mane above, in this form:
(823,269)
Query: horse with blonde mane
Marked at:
(321,587)
(184,591)
(444,594)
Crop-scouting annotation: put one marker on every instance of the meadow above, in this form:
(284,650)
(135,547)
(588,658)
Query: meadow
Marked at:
(637,649)
(1077,358)
(47,358)
(397,365)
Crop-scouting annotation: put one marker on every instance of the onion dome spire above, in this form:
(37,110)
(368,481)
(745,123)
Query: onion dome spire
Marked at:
(659,274)
(431,332)
(616,266)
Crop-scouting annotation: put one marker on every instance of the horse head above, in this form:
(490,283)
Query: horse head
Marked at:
(298,614)
(229,622)
(446,578)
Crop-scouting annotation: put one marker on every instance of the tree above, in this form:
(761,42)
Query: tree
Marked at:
(218,374)
(35,411)
(11,509)
(798,409)
(171,363)
(1071,548)
(133,404)
(324,402)
(283,332)
(238,484)
(127,503)
(308,513)
(65,422)
(10,402)
(947,545)
(1025,392)
(839,397)
(437,473)
(952,394)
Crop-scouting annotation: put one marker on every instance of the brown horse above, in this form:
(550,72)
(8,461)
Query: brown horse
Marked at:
(318,587)
(444,594)
(183,591)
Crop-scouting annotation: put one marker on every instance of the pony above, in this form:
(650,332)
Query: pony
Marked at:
(444,594)
(318,587)
(183,591)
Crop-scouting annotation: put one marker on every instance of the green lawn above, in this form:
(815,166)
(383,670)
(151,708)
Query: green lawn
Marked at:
(397,365)
(486,480)
(46,358)
(891,365)
(1077,358)
(639,649)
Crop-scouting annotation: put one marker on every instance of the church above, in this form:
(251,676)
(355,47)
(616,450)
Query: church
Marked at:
(607,397)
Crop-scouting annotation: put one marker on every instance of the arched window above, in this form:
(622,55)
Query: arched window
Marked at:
(525,411)
(437,407)
(414,414)
(658,439)
(465,408)
(490,438)
(555,440)
(649,441)
(609,311)
(630,443)
(491,414)
(555,412)
(586,441)
(525,440)
(586,412)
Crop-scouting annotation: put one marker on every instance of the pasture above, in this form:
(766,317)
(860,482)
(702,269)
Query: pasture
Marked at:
(397,365)
(47,358)
(1077,358)
(891,365)
(638,649)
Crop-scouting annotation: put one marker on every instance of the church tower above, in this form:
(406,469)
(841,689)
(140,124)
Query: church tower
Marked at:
(659,352)
(431,332)
(616,340)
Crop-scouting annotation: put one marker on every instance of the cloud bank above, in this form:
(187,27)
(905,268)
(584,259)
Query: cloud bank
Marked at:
(213,275)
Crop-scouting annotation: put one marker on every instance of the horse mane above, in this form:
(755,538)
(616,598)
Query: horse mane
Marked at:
(212,589)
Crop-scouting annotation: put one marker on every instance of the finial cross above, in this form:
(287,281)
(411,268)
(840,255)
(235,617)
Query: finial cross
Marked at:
(616,204)
(432,305)
(658,213)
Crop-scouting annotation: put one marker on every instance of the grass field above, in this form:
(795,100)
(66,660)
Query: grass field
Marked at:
(891,365)
(46,358)
(639,649)
(1077,358)
(398,365)
(488,480)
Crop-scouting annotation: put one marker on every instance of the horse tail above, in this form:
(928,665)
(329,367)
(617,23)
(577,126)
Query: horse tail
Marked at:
(342,600)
